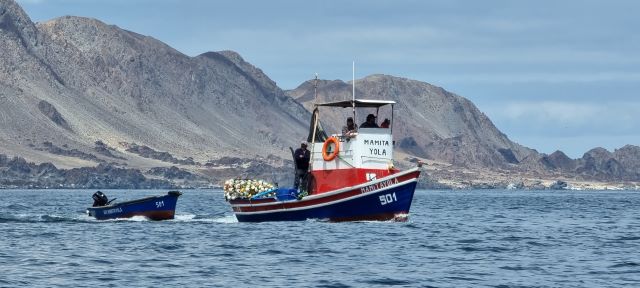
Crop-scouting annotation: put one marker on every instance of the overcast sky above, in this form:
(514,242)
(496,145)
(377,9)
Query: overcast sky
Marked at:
(550,74)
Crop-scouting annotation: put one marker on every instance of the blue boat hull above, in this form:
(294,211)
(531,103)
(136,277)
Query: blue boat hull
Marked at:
(388,199)
(364,208)
(154,208)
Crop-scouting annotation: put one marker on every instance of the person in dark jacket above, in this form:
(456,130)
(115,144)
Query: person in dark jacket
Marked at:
(370,123)
(302,156)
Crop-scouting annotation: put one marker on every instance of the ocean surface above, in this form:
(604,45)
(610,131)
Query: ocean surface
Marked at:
(481,238)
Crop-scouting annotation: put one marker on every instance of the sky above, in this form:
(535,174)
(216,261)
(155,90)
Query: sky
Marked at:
(552,75)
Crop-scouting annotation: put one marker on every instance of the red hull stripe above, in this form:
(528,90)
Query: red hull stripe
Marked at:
(336,197)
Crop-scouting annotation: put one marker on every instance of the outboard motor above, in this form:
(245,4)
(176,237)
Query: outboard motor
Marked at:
(99,199)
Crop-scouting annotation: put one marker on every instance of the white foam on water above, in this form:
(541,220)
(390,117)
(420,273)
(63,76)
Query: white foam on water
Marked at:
(132,219)
(226,219)
(184,217)
(191,218)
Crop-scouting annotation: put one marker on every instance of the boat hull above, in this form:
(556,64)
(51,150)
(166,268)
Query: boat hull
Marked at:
(153,208)
(386,199)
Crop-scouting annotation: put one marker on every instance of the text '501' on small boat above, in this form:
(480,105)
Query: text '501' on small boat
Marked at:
(154,208)
(351,177)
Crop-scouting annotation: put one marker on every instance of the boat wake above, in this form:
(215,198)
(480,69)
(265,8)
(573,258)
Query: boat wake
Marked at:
(192,218)
(83,218)
(37,218)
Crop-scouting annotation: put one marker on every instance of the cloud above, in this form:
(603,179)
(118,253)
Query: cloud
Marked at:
(564,118)
(540,77)
(573,127)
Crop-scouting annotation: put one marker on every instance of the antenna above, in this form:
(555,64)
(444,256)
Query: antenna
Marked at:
(353,91)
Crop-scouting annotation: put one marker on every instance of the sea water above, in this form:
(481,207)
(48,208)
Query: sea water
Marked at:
(478,238)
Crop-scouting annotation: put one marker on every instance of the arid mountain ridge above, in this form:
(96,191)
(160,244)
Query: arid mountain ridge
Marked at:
(76,92)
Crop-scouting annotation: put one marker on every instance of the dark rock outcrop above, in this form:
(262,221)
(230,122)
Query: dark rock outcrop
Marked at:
(105,150)
(16,172)
(172,172)
(48,110)
(559,160)
(147,152)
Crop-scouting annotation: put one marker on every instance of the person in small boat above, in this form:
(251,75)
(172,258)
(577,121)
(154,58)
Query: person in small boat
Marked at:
(99,199)
(350,128)
(302,157)
(385,123)
(370,123)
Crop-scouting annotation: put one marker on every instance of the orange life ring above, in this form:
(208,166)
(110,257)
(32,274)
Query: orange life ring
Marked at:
(332,155)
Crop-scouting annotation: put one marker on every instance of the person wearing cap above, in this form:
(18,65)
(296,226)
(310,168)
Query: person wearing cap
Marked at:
(370,123)
(350,128)
(302,157)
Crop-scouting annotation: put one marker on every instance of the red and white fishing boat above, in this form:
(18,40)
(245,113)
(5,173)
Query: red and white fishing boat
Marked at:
(352,177)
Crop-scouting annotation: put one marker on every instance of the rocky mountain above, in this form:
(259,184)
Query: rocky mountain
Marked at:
(90,104)
(430,122)
(74,81)
(596,164)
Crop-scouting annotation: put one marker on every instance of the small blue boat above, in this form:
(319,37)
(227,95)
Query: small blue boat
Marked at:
(154,208)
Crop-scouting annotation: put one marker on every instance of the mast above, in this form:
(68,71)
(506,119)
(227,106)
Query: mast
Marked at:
(315,90)
(314,115)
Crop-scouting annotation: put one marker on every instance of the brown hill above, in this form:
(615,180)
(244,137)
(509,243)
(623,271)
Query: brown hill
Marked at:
(73,81)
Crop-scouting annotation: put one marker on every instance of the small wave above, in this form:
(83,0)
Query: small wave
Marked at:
(515,238)
(518,268)
(628,238)
(431,247)
(328,284)
(469,241)
(15,206)
(31,218)
(387,281)
(168,247)
(273,252)
(55,218)
(462,278)
(625,264)
(320,251)
(412,225)
(229,246)
(484,249)
(534,243)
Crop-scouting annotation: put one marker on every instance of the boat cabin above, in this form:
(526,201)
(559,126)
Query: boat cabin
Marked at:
(349,158)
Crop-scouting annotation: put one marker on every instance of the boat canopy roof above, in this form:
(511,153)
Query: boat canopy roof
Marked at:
(363,103)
